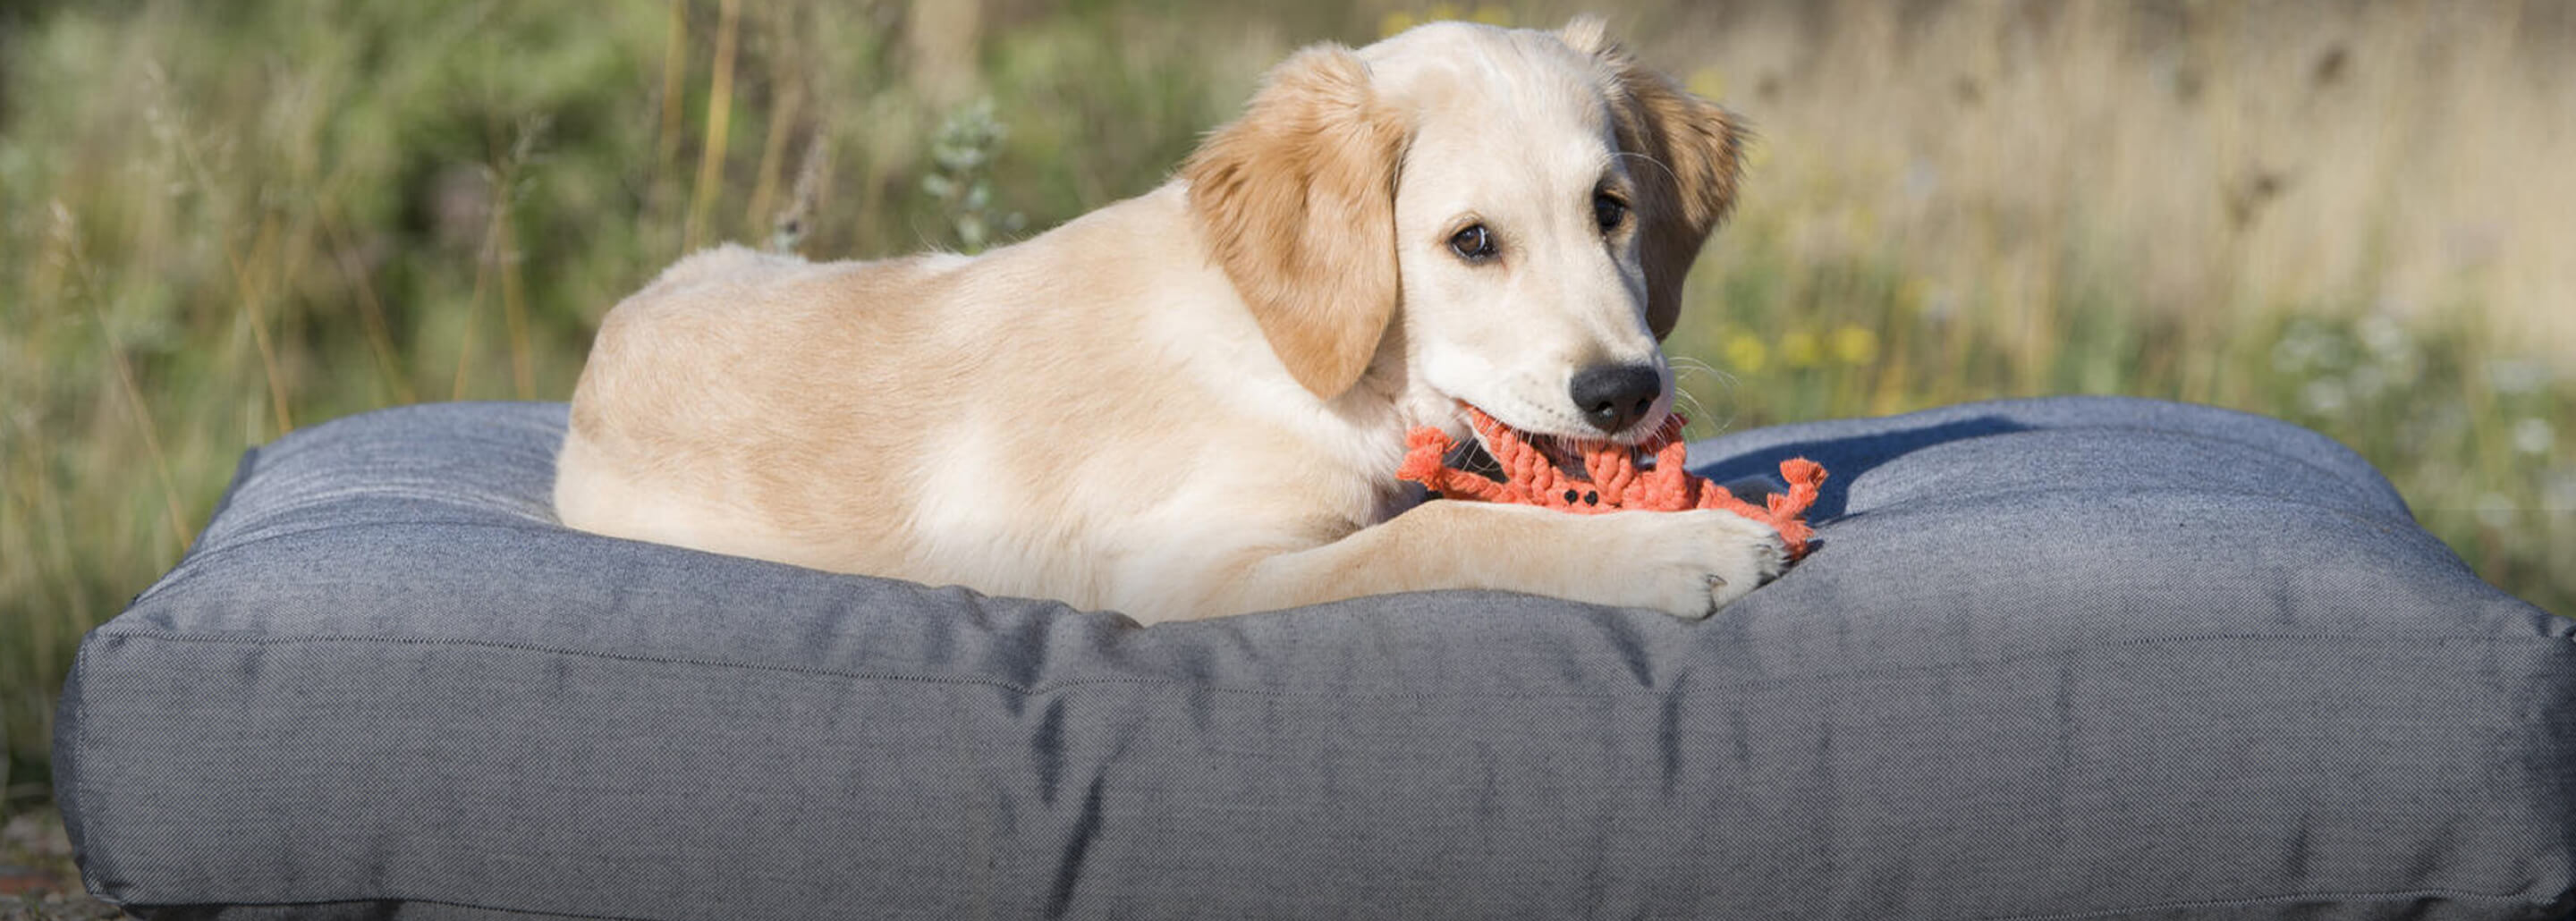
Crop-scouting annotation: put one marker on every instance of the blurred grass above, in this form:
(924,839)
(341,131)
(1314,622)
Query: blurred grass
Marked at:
(223,221)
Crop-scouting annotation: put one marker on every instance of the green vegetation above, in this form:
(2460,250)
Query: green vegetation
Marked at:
(222,221)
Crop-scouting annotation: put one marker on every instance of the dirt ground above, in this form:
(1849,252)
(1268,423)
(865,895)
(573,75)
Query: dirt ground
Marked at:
(37,879)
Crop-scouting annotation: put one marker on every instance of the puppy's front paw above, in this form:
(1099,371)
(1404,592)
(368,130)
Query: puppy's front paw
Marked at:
(1703,560)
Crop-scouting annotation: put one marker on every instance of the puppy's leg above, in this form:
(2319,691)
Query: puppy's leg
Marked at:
(1683,563)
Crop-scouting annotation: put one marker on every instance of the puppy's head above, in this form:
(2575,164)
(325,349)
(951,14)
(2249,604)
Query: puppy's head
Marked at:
(1521,206)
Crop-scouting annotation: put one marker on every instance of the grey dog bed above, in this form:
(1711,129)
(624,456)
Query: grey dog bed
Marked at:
(2067,658)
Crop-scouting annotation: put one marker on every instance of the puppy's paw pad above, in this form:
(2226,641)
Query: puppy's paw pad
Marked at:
(1740,569)
(1708,559)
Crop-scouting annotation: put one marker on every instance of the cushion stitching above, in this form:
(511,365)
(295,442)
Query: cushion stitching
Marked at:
(81,759)
(528,912)
(195,560)
(2379,523)
(2548,644)
(2376,478)
(192,560)
(2391,896)
(2292,430)
(2382,493)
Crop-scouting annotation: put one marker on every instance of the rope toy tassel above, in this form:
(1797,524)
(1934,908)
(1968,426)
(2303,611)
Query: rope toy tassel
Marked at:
(1609,478)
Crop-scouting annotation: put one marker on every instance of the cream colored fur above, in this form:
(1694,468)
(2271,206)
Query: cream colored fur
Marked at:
(1192,403)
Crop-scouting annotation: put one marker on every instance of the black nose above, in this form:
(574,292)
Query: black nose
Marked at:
(1613,397)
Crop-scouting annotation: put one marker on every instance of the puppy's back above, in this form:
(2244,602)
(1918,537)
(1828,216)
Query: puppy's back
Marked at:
(698,385)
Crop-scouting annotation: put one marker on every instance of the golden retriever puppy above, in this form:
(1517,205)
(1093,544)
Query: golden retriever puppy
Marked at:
(1192,403)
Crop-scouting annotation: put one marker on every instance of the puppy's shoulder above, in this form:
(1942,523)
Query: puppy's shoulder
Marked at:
(731,266)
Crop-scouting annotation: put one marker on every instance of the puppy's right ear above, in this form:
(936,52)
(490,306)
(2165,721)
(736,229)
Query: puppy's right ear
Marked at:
(1297,202)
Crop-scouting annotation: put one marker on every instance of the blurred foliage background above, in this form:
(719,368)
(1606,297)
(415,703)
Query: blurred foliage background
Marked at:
(222,221)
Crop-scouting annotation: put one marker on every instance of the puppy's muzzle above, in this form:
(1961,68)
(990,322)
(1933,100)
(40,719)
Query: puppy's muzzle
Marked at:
(1614,397)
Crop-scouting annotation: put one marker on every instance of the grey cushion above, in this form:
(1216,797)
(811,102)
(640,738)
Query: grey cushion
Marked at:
(2064,658)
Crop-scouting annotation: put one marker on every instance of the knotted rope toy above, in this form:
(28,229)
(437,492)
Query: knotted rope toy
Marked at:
(1647,476)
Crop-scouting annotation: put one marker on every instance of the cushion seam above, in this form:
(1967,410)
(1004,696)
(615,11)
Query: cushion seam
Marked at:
(2391,896)
(2380,523)
(191,561)
(529,912)
(97,872)
(2152,907)
(2374,482)
(2378,482)
(2547,644)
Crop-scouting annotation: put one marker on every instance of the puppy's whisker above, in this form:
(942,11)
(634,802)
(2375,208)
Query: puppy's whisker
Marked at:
(1659,164)
(1686,375)
(1726,384)
(1690,404)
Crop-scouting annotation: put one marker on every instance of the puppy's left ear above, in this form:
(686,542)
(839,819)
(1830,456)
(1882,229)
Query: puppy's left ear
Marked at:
(1297,201)
(1700,149)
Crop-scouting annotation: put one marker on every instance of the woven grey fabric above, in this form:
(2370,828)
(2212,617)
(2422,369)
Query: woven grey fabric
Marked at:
(2062,658)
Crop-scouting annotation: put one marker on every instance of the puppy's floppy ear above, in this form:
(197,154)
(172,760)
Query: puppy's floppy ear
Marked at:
(1699,148)
(1297,202)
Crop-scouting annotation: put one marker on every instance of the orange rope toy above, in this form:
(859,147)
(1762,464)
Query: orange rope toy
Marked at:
(1610,480)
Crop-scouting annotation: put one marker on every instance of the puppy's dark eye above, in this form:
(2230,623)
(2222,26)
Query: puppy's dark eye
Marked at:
(1474,244)
(1609,211)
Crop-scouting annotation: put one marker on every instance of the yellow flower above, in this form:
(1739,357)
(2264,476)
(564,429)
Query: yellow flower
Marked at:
(1394,22)
(1861,222)
(1744,354)
(1708,83)
(1801,350)
(1854,345)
